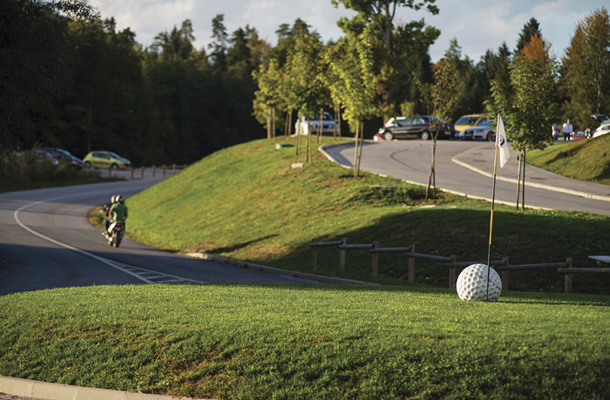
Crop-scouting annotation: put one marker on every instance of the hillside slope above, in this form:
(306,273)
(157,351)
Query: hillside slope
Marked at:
(245,202)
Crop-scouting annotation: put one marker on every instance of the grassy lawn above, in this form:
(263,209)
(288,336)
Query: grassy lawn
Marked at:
(309,342)
(586,160)
(246,203)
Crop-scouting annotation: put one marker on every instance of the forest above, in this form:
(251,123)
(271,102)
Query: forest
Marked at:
(70,79)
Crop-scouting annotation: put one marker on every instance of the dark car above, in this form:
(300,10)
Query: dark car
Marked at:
(64,156)
(417,127)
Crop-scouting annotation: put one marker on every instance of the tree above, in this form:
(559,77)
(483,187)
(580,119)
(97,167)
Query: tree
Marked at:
(382,13)
(532,109)
(353,83)
(585,73)
(531,28)
(442,97)
(35,62)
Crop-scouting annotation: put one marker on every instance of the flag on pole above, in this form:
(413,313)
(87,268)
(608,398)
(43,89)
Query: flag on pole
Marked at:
(501,141)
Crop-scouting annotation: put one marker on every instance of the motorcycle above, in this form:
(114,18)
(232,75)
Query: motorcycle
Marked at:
(115,233)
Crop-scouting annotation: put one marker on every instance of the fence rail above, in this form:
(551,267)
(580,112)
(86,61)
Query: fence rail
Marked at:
(131,173)
(451,262)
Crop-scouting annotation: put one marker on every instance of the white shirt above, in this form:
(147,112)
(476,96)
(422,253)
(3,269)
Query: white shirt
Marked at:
(567,128)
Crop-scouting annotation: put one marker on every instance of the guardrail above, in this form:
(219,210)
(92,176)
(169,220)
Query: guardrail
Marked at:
(142,171)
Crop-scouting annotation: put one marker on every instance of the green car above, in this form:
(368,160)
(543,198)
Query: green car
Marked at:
(105,159)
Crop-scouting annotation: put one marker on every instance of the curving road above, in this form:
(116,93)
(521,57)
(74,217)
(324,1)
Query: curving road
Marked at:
(466,167)
(47,242)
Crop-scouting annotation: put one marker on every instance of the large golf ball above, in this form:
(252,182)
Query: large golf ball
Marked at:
(472,283)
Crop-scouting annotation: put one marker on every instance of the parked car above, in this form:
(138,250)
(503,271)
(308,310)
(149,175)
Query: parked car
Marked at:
(483,131)
(470,120)
(64,156)
(39,155)
(601,119)
(578,135)
(105,159)
(601,130)
(421,126)
(329,125)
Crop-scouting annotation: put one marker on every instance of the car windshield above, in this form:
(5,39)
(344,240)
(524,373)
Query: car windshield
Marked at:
(489,122)
(113,154)
(466,121)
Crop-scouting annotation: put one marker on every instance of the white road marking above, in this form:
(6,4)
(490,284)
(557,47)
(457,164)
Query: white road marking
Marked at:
(143,274)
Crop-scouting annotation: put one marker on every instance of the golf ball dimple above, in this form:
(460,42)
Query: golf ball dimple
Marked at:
(472,283)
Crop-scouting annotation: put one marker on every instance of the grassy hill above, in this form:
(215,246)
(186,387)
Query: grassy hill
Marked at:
(585,160)
(246,203)
(314,341)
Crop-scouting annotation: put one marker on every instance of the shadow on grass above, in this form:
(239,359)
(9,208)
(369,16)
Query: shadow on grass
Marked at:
(528,237)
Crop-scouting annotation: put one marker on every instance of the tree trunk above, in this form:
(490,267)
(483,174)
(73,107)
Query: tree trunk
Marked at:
(523,183)
(432,176)
(519,181)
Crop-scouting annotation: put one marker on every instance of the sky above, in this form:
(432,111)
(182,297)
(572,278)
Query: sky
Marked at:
(477,25)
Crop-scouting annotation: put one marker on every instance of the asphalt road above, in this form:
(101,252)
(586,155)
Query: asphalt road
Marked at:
(466,167)
(46,242)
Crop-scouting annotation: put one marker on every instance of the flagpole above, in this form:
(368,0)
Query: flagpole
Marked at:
(491,221)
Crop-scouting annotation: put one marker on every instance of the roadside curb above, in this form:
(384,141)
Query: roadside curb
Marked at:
(586,195)
(57,391)
(279,271)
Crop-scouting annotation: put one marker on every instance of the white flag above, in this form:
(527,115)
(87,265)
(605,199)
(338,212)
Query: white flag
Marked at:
(501,141)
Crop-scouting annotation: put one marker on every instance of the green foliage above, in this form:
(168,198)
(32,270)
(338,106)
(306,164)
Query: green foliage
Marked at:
(585,79)
(308,342)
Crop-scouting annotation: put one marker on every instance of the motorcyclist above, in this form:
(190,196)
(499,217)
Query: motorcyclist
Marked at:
(108,219)
(118,212)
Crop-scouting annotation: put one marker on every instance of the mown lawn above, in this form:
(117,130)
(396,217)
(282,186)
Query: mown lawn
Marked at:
(309,342)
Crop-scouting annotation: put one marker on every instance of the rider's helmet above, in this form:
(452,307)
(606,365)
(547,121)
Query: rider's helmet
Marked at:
(112,199)
(120,199)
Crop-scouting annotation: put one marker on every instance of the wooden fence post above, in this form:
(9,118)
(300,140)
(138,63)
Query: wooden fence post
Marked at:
(314,256)
(505,275)
(568,277)
(342,255)
(142,172)
(375,267)
(452,278)
(164,170)
(132,169)
(411,265)
(154,170)
(174,169)
(110,172)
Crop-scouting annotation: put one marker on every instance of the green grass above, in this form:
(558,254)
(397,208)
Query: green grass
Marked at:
(246,203)
(309,342)
(585,160)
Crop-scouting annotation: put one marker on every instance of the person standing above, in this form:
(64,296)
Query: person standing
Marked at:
(555,132)
(567,130)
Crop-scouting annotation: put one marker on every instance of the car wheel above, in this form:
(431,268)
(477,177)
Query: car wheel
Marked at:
(114,166)
(87,164)
(388,136)
(491,137)
(425,135)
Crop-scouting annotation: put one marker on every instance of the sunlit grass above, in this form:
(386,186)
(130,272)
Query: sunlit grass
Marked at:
(247,203)
(309,342)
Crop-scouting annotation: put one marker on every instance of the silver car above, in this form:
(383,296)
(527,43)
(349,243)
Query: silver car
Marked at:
(483,131)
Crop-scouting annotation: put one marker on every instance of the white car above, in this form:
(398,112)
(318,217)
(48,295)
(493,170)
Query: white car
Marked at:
(601,130)
(329,125)
(483,131)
